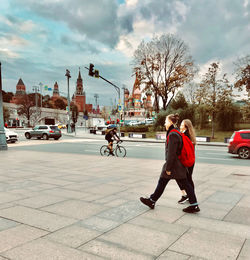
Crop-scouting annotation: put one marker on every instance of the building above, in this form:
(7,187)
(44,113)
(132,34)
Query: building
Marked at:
(134,105)
(79,97)
(20,92)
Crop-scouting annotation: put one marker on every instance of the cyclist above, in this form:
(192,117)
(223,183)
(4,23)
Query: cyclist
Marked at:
(110,136)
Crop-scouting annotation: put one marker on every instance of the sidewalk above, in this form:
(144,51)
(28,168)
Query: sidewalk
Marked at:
(84,134)
(61,206)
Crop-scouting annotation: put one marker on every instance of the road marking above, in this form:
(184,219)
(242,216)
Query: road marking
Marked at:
(214,158)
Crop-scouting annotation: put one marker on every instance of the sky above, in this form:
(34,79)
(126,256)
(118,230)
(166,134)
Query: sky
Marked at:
(39,40)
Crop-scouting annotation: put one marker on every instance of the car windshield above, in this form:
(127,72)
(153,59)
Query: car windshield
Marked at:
(54,127)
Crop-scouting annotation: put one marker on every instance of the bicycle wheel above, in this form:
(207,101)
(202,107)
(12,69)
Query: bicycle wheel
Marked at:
(120,151)
(104,151)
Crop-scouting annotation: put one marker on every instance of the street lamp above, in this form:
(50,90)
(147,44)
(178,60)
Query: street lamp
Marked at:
(68,77)
(3,144)
(124,112)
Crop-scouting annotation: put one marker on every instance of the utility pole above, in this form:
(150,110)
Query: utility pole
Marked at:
(41,87)
(3,144)
(96,96)
(96,74)
(124,88)
(36,89)
(68,77)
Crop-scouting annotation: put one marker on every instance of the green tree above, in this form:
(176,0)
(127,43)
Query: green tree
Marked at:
(213,91)
(179,101)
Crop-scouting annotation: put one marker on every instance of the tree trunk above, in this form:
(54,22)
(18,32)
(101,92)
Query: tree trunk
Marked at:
(213,125)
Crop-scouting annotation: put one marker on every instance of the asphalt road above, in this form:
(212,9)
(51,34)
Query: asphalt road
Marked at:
(204,154)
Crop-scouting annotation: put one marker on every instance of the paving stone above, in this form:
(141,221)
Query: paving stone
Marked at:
(209,245)
(19,235)
(123,212)
(8,197)
(170,255)
(99,224)
(36,218)
(66,193)
(159,225)
(245,252)
(222,227)
(6,223)
(131,237)
(112,251)
(239,215)
(75,209)
(40,201)
(225,197)
(73,236)
(169,215)
(42,249)
(244,202)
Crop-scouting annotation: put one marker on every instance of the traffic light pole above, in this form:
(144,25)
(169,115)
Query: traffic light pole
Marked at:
(3,144)
(119,96)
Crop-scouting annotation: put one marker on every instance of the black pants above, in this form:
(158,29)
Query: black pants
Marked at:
(162,183)
(189,178)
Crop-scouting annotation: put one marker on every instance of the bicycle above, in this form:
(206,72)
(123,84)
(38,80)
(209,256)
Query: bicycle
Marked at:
(119,150)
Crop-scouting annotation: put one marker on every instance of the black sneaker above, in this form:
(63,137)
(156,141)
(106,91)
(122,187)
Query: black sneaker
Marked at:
(183,199)
(148,202)
(192,209)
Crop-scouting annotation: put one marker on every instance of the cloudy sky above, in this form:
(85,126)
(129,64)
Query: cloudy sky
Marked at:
(39,40)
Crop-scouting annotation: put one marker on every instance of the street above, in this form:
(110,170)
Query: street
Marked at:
(204,153)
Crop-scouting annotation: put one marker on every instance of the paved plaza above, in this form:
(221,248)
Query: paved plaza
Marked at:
(58,206)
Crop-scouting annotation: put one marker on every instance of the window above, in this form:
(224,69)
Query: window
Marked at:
(245,135)
(43,127)
(54,127)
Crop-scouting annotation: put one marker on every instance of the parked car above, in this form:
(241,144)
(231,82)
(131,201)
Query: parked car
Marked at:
(44,132)
(239,143)
(149,121)
(11,136)
(133,123)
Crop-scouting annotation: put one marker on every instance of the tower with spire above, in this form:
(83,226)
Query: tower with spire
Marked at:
(79,97)
(20,92)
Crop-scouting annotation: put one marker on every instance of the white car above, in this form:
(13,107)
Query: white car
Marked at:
(149,121)
(132,123)
(11,136)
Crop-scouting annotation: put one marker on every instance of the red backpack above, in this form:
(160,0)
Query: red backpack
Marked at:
(187,156)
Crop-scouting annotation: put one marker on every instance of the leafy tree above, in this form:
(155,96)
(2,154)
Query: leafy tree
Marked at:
(243,73)
(163,65)
(213,91)
(179,101)
(245,110)
(226,116)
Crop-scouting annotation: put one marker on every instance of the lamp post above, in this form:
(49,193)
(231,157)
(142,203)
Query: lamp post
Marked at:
(68,77)
(3,144)
(124,112)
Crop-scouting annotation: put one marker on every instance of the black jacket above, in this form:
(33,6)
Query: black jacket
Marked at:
(172,150)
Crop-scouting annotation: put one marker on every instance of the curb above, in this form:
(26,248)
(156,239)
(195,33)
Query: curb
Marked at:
(147,141)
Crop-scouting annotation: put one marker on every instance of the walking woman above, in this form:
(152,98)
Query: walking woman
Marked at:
(188,129)
(172,168)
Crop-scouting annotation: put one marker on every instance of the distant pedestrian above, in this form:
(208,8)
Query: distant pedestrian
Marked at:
(6,125)
(188,129)
(173,168)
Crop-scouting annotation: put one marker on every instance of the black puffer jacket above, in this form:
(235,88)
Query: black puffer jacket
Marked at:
(172,150)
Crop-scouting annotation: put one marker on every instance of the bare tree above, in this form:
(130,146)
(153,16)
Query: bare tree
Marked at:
(189,92)
(214,91)
(163,65)
(26,107)
(243,73)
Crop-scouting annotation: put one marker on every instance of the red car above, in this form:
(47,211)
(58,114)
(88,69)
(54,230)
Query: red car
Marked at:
(239,143)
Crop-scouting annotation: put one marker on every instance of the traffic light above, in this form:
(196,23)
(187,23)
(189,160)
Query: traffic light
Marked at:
(91,70)
(96,74)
